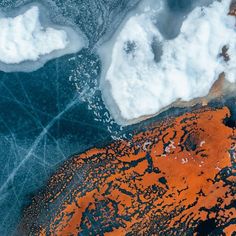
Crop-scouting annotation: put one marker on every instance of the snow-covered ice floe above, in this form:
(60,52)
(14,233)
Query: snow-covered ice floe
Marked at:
(144,72)
(26,44)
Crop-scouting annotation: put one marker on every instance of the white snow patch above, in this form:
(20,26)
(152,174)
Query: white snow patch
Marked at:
(23,39)
(137,84)
(202,143)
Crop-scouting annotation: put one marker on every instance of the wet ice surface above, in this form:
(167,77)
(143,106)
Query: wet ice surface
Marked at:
(44,119)
(146,69)
(54,112)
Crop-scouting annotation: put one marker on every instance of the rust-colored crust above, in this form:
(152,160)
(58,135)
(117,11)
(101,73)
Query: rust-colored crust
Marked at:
(175,178)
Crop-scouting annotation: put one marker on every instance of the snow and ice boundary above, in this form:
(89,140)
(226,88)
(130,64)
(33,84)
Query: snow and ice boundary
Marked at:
(143,72)
(28,39)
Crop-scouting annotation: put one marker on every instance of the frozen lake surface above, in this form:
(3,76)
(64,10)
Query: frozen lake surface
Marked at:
(55,90)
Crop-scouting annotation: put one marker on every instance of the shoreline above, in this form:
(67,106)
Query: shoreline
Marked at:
(221,89)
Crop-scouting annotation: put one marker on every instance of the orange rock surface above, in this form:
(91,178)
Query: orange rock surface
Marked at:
(176,177)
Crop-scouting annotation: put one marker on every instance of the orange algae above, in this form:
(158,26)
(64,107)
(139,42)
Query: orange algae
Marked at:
(178,177)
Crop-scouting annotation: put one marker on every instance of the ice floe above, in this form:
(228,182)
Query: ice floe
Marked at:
(145,72)
(26,44)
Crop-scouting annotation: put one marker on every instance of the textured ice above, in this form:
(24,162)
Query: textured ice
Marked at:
(44,120)
(24,39)
(145,72)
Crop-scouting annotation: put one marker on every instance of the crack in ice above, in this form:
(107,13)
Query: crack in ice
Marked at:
(36,143)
